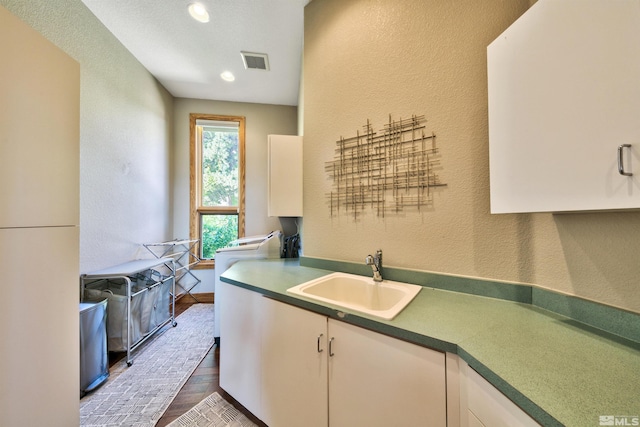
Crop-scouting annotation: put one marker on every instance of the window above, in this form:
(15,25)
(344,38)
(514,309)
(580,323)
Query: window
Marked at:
(217,182)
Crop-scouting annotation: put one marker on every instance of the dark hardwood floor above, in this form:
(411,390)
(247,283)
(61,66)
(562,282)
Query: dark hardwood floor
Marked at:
(203,382)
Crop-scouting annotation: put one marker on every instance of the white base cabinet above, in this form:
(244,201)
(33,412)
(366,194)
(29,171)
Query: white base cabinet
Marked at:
(316,371)
(240,342)
(482,405)
(328,372)
(376,380)
(293,367)
(294,375)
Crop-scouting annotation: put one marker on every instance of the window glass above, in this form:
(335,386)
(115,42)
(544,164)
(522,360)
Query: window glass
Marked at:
(217,186)
(217,231)
(219,166)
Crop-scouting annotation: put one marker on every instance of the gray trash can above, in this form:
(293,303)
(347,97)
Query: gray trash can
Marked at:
(94,362)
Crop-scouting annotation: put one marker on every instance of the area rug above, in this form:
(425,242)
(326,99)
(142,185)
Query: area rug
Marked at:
(213,411)
(138,395)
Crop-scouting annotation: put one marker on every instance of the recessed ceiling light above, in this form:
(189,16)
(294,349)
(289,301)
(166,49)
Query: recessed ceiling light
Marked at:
(228,76)
(198,12)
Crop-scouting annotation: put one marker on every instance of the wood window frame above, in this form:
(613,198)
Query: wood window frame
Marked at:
(195,180)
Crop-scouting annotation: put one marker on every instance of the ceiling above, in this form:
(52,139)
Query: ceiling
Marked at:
(187,56)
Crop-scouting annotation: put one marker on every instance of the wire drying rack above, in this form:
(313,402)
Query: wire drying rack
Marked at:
(385,171)
(184,254)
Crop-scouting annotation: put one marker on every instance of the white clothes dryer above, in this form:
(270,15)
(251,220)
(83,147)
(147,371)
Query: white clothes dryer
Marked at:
(253,247)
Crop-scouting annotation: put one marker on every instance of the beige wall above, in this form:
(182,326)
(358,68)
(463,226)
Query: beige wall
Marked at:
(366,59)
(261,120)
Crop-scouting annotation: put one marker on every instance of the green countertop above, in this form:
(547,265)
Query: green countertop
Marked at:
(558,370)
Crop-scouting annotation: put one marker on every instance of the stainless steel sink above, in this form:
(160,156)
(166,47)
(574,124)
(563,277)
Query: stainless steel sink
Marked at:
(359,293)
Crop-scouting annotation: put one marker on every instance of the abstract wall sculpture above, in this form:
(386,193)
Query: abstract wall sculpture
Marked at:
(385,171)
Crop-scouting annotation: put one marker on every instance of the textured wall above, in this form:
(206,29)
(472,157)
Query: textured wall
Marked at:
(125,134)
(366,59)
(261,120)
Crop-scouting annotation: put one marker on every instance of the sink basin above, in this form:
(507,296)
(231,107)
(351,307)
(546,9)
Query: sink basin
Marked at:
(359,293)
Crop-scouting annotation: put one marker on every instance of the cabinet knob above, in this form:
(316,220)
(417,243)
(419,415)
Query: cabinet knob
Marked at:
(621,170)
(318,343)
(331,354)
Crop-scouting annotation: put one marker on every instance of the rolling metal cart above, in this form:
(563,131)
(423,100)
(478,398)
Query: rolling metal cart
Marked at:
(141,300)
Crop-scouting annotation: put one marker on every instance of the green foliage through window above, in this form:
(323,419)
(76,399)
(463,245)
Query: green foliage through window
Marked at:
(219,167)
(219,186)
(217,232)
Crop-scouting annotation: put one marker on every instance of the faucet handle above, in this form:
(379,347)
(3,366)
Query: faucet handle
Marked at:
(376,265)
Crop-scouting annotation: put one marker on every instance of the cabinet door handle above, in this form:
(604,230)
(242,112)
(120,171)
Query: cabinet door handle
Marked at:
(318,344)
(621,160)
(331,347)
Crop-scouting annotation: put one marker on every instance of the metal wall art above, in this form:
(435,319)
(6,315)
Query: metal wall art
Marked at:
(384,171)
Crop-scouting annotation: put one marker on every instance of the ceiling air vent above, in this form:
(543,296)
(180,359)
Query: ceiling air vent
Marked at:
(255,61)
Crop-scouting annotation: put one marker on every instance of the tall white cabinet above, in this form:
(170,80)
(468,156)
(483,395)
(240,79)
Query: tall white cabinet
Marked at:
(39,217)
(564,97)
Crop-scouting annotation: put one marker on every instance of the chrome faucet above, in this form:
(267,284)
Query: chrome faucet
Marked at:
(375,261)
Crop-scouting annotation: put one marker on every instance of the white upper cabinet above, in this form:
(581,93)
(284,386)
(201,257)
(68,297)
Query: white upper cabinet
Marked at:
(285,175)
(564,108)
(39,130)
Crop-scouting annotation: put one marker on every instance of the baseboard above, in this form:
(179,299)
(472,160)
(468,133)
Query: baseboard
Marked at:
(207,298)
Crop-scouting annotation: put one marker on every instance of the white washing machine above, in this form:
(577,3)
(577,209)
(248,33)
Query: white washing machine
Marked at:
(254,247)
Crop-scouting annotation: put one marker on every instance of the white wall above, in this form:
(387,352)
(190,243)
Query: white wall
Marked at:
(125,135)
(366,59)
(261,120)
